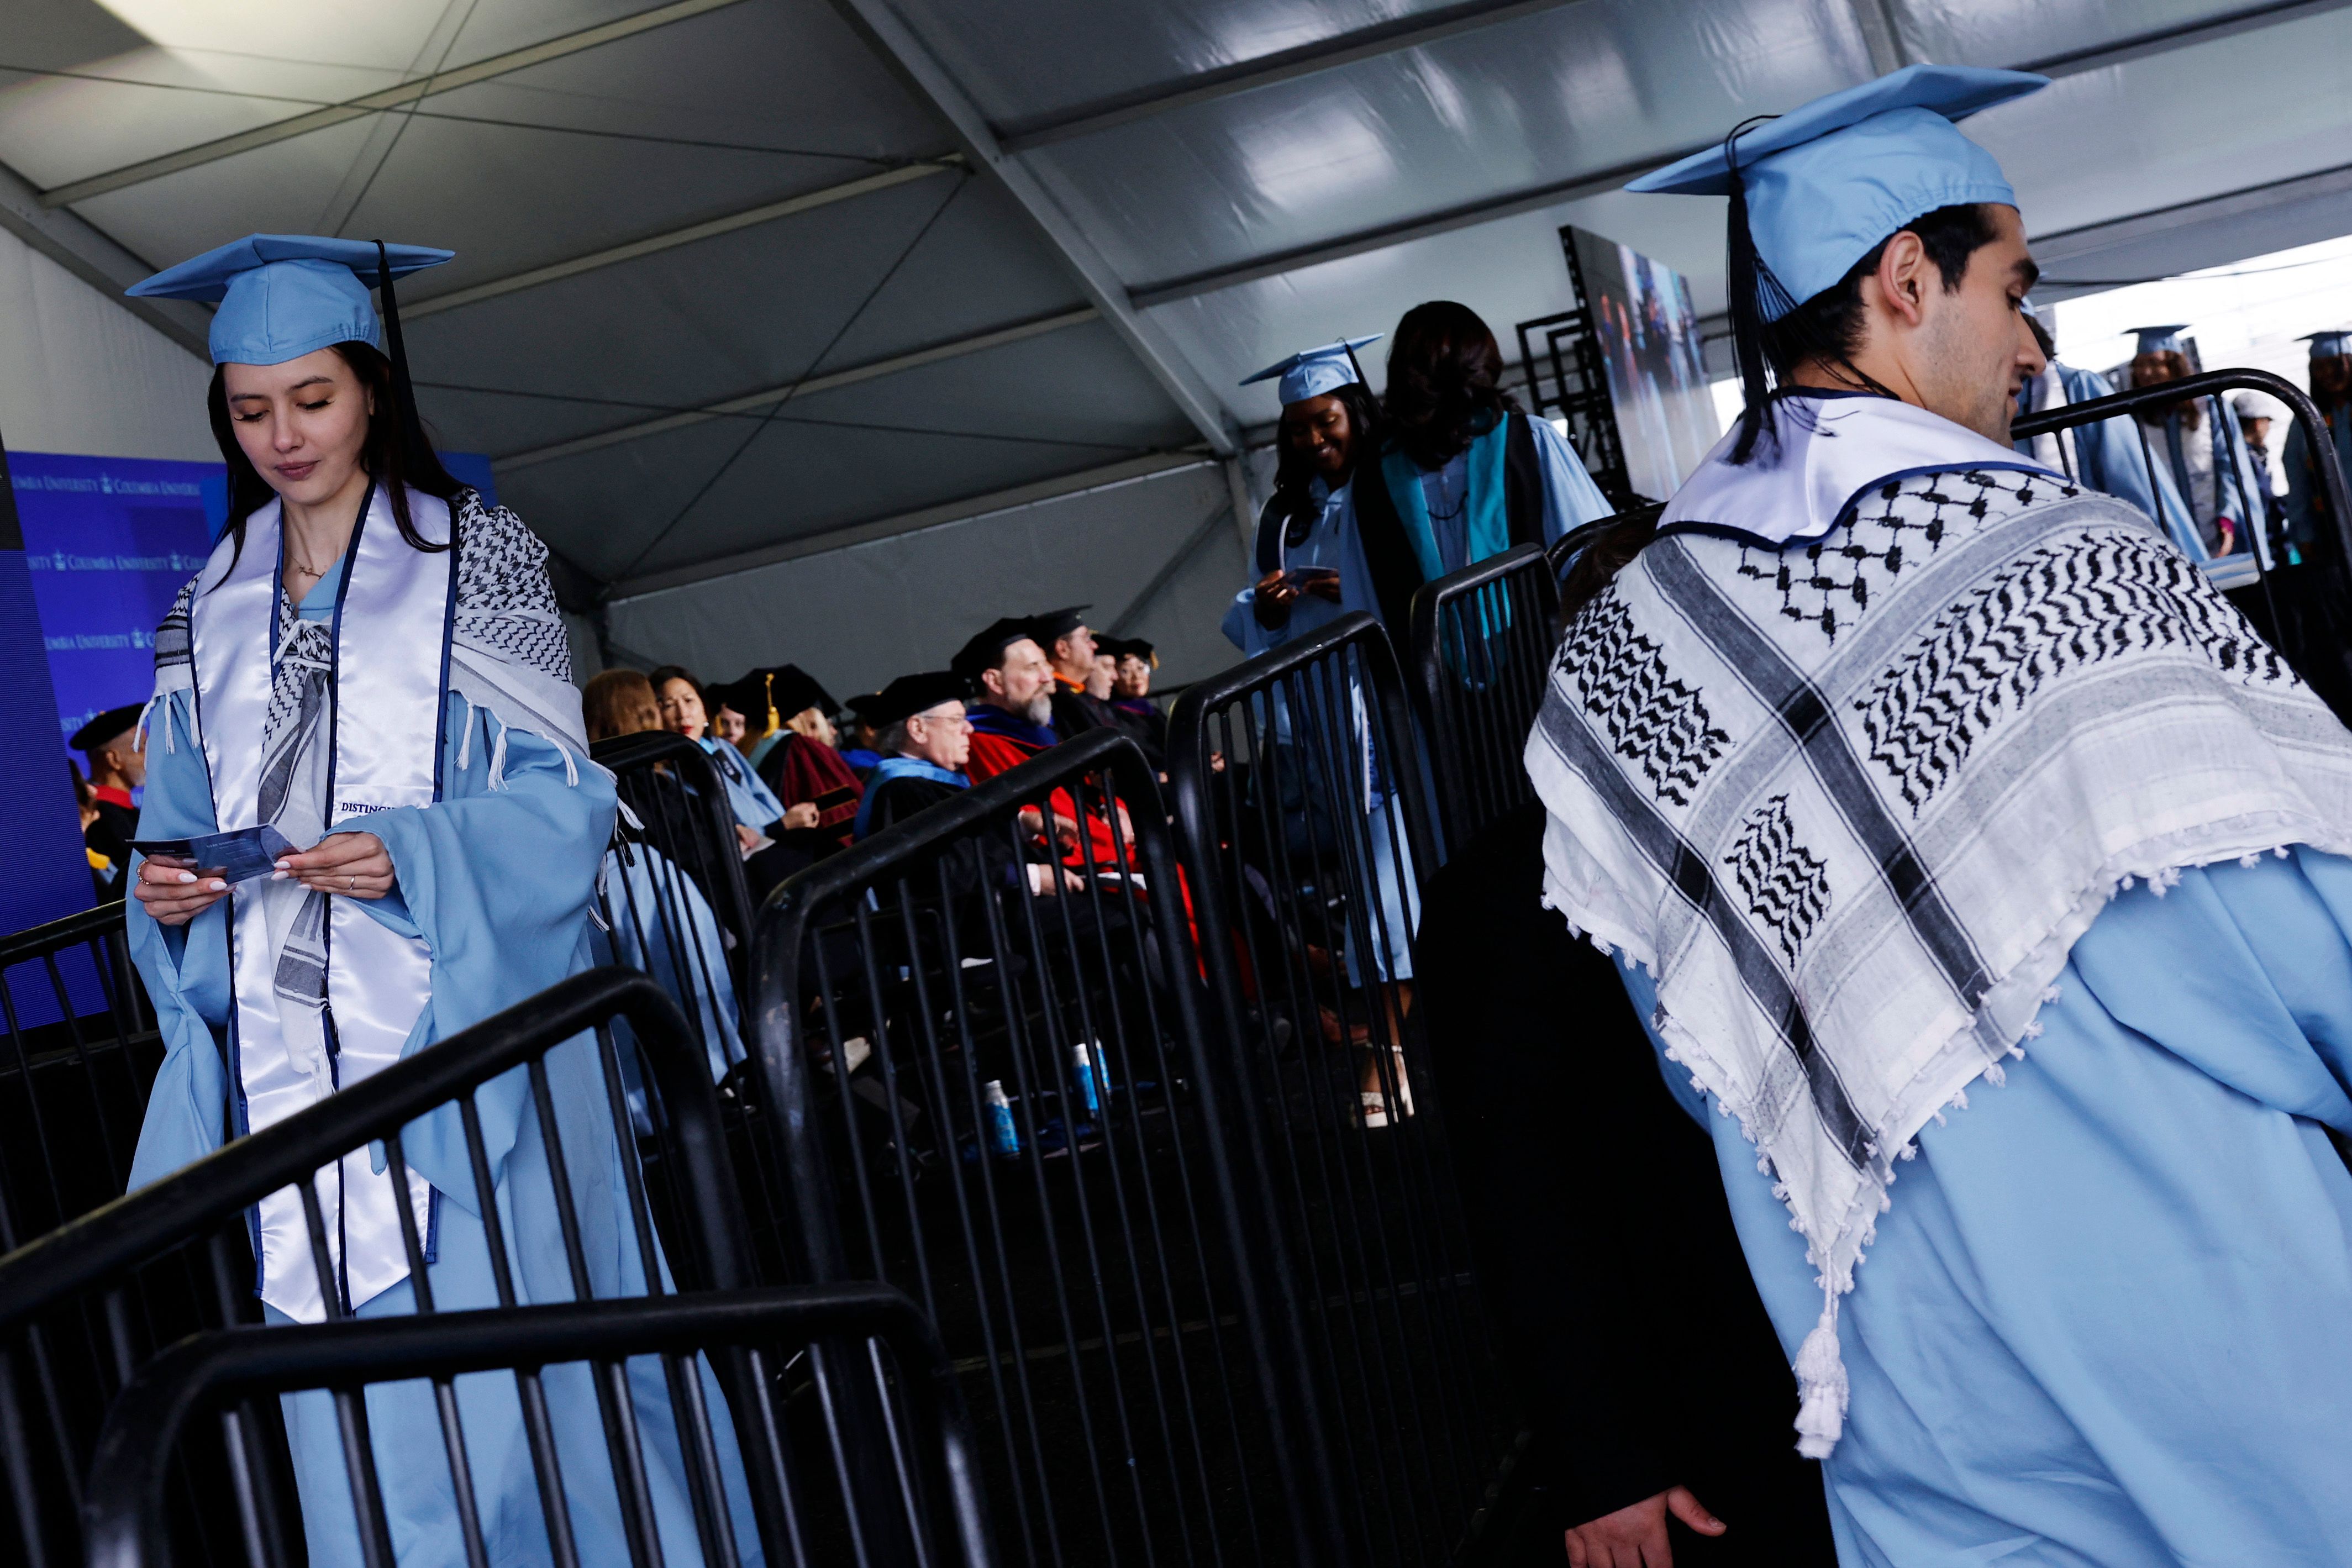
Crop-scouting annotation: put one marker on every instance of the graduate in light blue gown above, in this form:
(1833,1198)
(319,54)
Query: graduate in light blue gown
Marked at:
(2208,486)
(2179,1096)
(2331,388)
(372,662)
(1987,891)
(1310,563)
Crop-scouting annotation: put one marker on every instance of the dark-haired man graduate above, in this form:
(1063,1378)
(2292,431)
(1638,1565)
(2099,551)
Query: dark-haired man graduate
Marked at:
(1896,758)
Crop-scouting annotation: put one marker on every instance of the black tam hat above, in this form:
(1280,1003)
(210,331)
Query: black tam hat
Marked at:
(986,649)
(912,694)
(107,727)
(1055,625)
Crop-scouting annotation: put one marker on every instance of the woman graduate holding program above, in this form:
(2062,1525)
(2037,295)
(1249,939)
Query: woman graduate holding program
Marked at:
(372,664)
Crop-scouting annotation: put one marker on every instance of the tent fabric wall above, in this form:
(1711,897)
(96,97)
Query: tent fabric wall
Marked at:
(857,616)
(81,374)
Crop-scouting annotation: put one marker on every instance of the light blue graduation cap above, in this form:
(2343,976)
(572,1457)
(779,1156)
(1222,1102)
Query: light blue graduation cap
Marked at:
(1311,373)
(2160,340)
(1825,184)
(2329,345)
(284,295)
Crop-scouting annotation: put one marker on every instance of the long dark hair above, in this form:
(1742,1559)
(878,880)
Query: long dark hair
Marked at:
(1445,383)
(1294,470)
(397,461)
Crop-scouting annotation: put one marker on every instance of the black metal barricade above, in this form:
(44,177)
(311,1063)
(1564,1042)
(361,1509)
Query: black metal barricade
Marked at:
(80,1053)
(673,901)
(82,1307)
(1482,641)
(982,1025)
(1482,644)
(2303,609)
(1306,873)
(802,1517)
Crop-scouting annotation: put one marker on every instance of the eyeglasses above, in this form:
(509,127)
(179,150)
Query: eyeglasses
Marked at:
(954,720)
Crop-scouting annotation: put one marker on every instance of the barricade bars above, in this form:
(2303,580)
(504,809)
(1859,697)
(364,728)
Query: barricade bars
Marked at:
(95,1285)
(1482,640)
(979,1029)
(758,1331)
(80,1051)
(1308,870)
(673,901)
(2210,385)
(2304,611)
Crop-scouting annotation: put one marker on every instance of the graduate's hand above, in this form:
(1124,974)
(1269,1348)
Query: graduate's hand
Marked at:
(175,891)
(1047,881)
(349,865)
(1636,1537)
(1272,602)
(804,815)
(746,839)
(1324,587)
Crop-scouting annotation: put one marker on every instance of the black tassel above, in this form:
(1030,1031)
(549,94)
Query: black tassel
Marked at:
(1745,290)
(411,425)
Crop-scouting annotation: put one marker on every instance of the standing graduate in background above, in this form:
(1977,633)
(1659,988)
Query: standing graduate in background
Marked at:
(2211,497)
(372,662)
(1970,853)
(2307,518)
(1310,563)
(1462,473)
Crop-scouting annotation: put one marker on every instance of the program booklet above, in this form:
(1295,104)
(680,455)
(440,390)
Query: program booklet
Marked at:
(237,856)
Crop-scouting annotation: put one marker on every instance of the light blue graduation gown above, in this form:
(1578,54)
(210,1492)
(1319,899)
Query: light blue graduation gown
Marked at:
(1332,542)
(2305,502)
(748,795)
(2103,1323)
(1570,499)
(499,882)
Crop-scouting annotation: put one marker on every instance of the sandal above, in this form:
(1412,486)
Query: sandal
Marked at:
(1376,1110)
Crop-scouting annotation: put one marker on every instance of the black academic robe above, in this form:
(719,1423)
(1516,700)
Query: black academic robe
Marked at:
(1604,1244)
(1075,712)
(111,834)
(1145,721)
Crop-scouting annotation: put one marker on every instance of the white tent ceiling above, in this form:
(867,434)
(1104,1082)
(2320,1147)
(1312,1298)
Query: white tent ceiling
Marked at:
(994,250)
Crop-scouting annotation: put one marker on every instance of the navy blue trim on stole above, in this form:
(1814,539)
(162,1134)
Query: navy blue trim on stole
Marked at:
(1679,861)
(327,926)
(1798,704)
(448,630)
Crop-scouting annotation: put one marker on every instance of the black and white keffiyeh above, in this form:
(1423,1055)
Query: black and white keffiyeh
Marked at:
(509,651)
(1851,793)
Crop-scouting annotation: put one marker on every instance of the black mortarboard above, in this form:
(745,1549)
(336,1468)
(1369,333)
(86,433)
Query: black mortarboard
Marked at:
(1121,648)
(106,726)
(911,694)
(787,686)
(1057,624)
(986,649)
